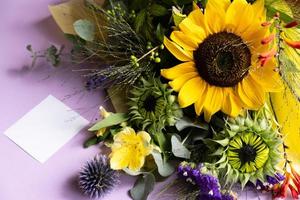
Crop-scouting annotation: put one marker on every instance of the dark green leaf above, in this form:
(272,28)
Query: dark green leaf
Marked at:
(158,10)
(91,141)
(143,186)
(85,29)
(178,149)
(186,122)
(164,168)
(112,119)
(140,20)
(160,32)
(183,2)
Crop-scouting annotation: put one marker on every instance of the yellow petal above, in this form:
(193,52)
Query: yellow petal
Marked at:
(178,70)
(120,159)
(136,162)
(214,16)
(189,28)
(177,51)
(250,93)
(197,17)
(213,102)
(259,8)
(144,136)
(177,83)
(191,92)
(200,103)
(267,78)
(232,19)
(183,40)
(231,104)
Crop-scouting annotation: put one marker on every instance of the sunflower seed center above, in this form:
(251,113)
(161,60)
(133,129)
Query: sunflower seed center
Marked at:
(223,59)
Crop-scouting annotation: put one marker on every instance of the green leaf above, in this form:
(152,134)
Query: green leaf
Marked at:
(160,32)
(112,119)
(140,20)
(158,10)
(271,11)
(177,16)
(183,2)
(142,187)
(91,141)
(164,168)
(186,122)
(178,149)
(85,29)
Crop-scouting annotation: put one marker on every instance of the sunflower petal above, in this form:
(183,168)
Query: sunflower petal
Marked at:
(213,101)
(250,93)
(200,103)
(178,70)
(231,104)
(191,92)
(189,28)
(267,78)
(178,83)
(177,51)
(215,15)
(234,11)
(183,40)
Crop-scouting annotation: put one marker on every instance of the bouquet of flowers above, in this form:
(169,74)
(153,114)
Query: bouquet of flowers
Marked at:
(205,89)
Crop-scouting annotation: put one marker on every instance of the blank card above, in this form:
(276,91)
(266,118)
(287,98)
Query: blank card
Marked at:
(46,128)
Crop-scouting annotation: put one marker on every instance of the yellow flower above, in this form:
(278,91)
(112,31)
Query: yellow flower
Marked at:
(130,149)
(220,50)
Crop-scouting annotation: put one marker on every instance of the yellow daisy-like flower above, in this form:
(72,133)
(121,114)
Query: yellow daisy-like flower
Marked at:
(221,52)
(130,149)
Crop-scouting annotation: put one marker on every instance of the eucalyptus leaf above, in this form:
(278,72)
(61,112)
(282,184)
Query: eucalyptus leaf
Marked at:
(164,168)
(143,186)
(112,119)
(186,122)
(85,29)
(178,149)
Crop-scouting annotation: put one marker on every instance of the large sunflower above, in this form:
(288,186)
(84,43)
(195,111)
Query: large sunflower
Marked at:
(220,50)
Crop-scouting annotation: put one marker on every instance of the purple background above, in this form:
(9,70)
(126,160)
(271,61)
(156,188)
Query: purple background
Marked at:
(21,177)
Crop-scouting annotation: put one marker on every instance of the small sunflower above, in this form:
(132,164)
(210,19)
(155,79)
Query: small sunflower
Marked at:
(249,148)
(220,51)
(152,104)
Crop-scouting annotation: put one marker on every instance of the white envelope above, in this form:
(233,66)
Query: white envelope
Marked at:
(46,128)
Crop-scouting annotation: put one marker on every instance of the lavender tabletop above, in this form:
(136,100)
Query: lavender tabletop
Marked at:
(22,177)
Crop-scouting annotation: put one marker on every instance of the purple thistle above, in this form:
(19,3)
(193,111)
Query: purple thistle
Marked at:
(97,178)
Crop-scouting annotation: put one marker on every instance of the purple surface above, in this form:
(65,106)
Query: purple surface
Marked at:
(21,177)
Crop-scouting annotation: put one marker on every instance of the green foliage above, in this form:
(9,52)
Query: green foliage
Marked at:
(85,29)
(186,122)
(52,55)
(165,169)
(178,148)
(112,119)
(143,186)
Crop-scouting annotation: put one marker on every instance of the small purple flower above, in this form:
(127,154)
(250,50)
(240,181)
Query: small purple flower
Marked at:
(227,196)
(271,181)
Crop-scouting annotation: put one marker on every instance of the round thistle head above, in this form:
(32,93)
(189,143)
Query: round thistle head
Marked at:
(152,104)
(97,178)
(248,148)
